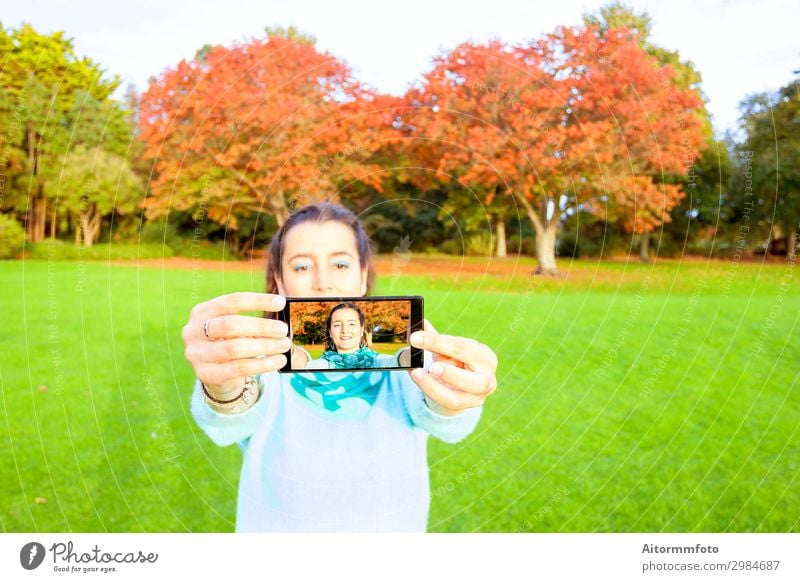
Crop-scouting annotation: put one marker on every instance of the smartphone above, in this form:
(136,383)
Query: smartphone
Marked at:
(354,333)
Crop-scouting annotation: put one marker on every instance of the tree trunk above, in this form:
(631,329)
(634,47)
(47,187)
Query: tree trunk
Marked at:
(83,228)
(36,218)
(546,249)
(791,244)
(500,230)
(41,222)
(29,230)
(546,231)
(94,227)
(644,248)
(234,242)
(277,204)
(53,219)
(31,218)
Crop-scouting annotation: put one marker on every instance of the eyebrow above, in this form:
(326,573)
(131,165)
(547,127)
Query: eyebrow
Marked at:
(308,256)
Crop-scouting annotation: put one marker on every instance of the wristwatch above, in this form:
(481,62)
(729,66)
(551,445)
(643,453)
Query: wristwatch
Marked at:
(242,401)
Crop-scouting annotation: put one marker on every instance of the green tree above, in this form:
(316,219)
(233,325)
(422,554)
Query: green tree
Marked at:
(47,92)
(769,161)
(94,183)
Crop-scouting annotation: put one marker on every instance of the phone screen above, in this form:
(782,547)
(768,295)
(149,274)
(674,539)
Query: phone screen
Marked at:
(353,333)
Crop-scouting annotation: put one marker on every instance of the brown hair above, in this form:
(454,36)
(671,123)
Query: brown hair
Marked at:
(319,212)
(329,344)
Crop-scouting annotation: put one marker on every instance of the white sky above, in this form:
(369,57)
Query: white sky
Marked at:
(739,46)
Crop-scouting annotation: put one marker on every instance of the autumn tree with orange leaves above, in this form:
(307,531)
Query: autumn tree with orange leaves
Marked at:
(577,119)
(389,318)
(260,127)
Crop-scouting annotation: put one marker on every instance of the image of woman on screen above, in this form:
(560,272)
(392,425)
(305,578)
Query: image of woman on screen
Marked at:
(346,343)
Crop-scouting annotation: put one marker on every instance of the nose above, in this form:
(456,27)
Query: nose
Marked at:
(322,282)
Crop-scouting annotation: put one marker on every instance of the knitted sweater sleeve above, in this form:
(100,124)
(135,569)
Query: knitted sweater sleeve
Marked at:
(227,429)
(450,429)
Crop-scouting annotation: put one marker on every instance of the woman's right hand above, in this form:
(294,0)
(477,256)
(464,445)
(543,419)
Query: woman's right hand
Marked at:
(240,345)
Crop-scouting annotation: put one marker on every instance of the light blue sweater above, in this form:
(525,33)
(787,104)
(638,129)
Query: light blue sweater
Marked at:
(359,468)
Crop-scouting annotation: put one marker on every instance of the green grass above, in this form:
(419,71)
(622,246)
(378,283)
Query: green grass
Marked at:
(631,398)
(59,250)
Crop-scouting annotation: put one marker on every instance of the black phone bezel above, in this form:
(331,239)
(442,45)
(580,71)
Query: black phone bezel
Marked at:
(416,322)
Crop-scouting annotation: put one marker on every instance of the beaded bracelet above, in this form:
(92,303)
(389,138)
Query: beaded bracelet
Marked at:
(234,404)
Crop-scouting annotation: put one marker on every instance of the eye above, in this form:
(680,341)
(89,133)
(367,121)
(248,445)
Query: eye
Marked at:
(342,265)
(301,267)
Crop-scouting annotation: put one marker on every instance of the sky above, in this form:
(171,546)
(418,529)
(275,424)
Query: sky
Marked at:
(740,47)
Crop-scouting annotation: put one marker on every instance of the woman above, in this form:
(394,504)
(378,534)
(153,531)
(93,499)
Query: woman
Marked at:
(346,343)
(308,466)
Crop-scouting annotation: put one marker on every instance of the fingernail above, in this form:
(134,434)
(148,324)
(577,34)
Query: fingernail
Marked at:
(417,338)
(417,374)
(437,370)
(279,301)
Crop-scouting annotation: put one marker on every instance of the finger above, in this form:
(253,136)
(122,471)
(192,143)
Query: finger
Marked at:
(462,349)
(231,326)
(237,302)
(448,398)
(465,380)
(216,374)
(236,349)
(428,326)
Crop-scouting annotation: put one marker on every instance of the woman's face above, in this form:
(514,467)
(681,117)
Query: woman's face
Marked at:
(346,330)
(321,260)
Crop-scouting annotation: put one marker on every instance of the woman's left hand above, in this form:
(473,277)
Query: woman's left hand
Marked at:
(463,374)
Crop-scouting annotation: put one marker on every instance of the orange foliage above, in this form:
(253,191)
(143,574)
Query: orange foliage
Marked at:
(259,127)
(308,317)
(578,114)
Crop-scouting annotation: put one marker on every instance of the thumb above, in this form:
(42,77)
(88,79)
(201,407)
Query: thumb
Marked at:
(428,327)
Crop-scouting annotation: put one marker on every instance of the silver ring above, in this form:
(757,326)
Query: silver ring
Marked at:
(205,330)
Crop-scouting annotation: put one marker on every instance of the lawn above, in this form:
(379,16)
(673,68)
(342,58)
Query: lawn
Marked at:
(660,397)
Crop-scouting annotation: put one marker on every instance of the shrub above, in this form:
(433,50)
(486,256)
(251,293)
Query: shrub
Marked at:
(161,232)
(525,246)
(664,246)
(593,242)
(568,246)
(480,245)
(12,237)
(452,247)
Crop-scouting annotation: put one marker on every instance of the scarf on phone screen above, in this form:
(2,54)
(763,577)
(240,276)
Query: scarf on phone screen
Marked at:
(362,358)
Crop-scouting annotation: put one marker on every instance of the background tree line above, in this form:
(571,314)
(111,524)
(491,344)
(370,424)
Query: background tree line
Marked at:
(589,140)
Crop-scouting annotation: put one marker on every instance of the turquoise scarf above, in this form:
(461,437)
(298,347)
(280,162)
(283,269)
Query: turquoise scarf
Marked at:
(363,358)
(330,389)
